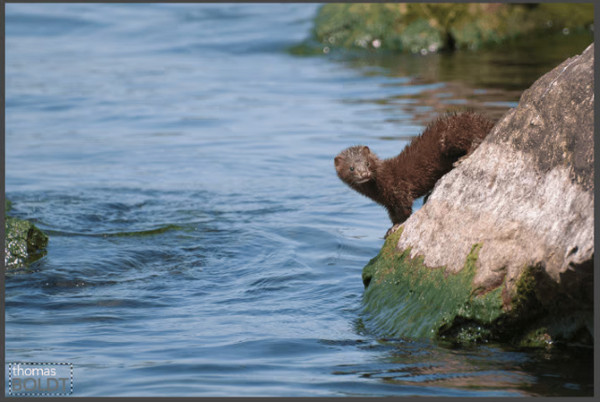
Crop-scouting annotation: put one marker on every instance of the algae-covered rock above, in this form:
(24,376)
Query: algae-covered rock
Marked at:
(421,27)
(24,242)
(405,298)
(503,249)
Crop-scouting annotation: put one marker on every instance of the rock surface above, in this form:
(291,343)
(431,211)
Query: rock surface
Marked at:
(24,242)
(520,210)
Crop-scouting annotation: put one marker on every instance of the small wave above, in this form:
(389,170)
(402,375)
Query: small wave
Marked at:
(155,231)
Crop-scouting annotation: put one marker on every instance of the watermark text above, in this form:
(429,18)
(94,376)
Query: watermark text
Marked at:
(40,378)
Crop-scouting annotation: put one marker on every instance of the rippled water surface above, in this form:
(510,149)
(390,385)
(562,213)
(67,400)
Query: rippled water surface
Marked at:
(180,159)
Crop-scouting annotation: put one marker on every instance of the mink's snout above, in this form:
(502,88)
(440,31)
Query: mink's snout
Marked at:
(362,175)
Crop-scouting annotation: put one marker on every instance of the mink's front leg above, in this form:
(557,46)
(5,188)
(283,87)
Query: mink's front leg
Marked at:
(398,214)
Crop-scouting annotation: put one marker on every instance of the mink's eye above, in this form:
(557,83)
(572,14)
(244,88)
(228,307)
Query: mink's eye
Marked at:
(351,168)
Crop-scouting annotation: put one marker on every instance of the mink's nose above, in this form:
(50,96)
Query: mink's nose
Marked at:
(364,174)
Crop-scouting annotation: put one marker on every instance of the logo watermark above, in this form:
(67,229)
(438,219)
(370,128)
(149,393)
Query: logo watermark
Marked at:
(40,378)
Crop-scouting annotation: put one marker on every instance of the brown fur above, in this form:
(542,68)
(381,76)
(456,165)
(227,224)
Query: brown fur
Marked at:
(396,182)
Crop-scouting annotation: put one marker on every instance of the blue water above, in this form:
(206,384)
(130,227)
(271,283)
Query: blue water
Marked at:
(180,159)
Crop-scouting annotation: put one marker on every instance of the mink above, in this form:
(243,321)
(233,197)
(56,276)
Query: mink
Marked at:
(396,182)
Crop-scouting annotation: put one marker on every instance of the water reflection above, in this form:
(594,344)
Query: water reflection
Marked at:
(489,81)
(499,371)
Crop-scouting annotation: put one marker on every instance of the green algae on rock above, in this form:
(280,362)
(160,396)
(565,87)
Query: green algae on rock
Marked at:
(24,242)
(405,298)
(421,27)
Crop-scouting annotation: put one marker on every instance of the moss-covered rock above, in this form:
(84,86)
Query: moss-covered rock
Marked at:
(420,27)
(504,247)
(405,298)
(24,242)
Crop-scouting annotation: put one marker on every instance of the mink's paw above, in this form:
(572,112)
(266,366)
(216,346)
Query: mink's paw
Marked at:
(393,229)
(459,161)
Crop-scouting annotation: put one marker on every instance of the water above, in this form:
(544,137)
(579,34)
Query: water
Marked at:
(180,158)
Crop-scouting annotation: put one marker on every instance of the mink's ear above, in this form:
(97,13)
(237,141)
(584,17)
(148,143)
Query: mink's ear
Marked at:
(337,161)
(365,150)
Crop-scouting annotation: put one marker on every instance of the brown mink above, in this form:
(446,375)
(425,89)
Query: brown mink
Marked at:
(396,182)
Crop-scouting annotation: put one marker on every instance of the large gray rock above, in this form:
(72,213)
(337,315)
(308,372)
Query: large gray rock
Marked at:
(526,195)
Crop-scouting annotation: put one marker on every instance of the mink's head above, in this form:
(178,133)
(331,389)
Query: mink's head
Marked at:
(356,165)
